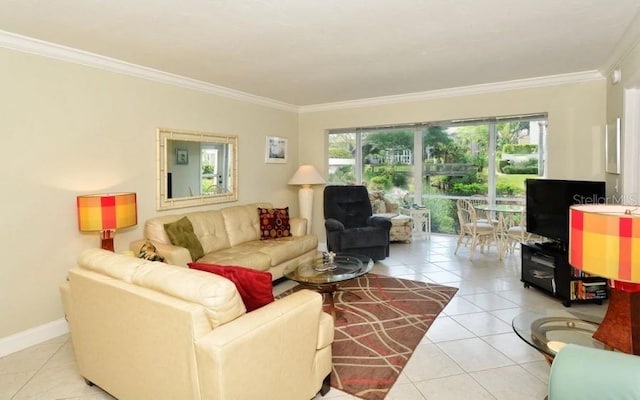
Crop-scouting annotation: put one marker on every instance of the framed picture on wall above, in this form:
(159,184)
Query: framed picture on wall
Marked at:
(182,156)
(276,150)
(612,147)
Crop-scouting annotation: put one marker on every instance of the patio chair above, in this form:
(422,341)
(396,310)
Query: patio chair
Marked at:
(480,233)
(516,232)
(483,216)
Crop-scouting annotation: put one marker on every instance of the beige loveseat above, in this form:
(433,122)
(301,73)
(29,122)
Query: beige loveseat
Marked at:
(147,330)
(231,236)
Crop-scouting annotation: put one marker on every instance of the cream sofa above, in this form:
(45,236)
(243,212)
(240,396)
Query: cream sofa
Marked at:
(231,236)
(148,330)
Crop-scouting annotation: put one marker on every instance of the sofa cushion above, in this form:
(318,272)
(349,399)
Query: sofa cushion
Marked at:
(242,223)
(363,237)
(246,254)
(386,215)
(210,230)
(378,206)
(216,294)
(355,212)
(284,249)
(255,287)
(154,228)
(274,223)
(181,234)
(109,263)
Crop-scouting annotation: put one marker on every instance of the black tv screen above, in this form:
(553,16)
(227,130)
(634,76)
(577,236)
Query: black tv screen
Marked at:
(548,202)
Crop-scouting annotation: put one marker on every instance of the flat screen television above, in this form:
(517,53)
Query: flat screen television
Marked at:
(548,202)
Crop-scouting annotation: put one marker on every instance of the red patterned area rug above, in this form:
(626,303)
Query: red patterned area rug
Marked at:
(379,322)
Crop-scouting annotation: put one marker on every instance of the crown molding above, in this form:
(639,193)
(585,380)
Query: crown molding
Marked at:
(46,49)
(551,80)
(630,39)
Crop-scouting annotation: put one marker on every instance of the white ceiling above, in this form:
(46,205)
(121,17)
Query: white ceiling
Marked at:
(305,52)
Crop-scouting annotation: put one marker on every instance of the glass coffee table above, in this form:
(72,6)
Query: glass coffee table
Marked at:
(548,333)
(324,274)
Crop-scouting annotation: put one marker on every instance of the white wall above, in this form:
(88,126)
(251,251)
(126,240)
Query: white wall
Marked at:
(186,178)
(576,124)
(627,90)
(69,129)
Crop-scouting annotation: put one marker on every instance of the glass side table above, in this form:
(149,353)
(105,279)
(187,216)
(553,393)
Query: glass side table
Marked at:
(548,333)
(421,219)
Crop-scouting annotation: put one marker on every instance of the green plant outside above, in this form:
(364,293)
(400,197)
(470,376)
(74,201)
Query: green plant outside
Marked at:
(520,148)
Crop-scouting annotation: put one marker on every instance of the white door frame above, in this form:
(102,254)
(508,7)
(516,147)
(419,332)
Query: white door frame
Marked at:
(631,143)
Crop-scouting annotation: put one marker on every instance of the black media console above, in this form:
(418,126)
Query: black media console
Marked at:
(545,265)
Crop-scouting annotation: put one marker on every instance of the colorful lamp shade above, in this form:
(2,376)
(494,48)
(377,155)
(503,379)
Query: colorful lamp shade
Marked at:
(105,213)
(604,240)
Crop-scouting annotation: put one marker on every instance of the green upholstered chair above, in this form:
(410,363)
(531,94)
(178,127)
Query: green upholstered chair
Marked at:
(583,373)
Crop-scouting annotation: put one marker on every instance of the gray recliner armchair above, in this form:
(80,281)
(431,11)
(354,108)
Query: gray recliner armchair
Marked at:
(350,224)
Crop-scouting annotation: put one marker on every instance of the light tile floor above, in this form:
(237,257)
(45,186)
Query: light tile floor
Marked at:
(470,352)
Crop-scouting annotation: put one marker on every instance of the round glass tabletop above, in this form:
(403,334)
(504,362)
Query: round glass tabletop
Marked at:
(547,333)
(319,271)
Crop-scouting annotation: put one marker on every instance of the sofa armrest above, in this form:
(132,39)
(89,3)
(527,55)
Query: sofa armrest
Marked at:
(174,255)
(326,336)
(274,344)
(298,226)
(332,224)
(580,372)
(380,222)
(65,295)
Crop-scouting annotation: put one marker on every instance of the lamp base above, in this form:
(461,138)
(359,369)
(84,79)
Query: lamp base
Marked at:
(107,239)
(305,203)
(620,328)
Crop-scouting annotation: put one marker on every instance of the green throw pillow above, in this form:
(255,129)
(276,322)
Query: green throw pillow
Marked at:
(181,234)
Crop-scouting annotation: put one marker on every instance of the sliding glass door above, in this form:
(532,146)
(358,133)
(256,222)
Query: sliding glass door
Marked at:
(433,164)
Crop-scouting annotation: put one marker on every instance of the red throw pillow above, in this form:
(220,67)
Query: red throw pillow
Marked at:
(274,223)
(255,287)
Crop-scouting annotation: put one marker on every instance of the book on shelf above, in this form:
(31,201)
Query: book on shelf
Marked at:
(576,273)
(594,283)
(588,290)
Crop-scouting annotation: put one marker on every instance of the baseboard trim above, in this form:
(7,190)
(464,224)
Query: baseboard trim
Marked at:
(22,340)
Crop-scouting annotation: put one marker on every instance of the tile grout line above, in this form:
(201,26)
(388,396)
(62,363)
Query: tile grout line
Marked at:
(40,368)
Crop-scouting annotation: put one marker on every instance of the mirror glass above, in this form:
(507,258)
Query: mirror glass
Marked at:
(196,168)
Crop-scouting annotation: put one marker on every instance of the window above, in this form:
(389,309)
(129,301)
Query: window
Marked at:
(343,150)
(488,157)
